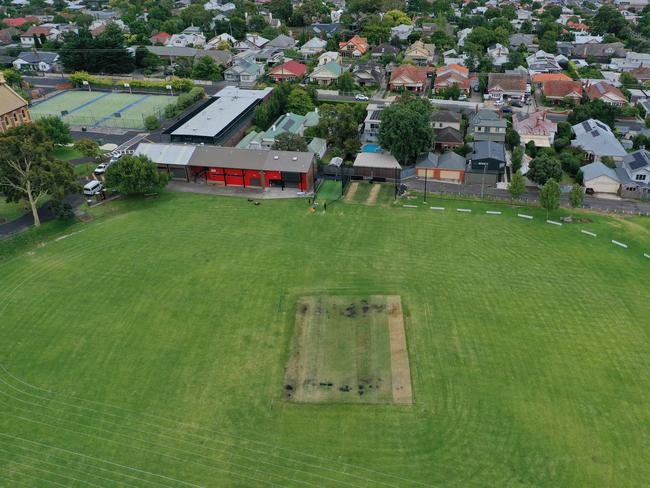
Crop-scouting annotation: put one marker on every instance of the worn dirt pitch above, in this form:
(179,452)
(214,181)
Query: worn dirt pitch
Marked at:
(349,350)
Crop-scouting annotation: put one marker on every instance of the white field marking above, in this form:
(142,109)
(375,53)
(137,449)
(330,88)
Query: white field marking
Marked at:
(620,244)
(65,236)
(13,461)
(92,466)
(225,434)
(589,233)
(554,222)
(437,208)
(410,206)
(85,456)
(646,255)
(68,468)
(524,216)
(162,454)
(42,480)
(492,212)
(466,210)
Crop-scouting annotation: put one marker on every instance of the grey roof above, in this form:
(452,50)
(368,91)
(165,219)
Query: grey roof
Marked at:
(217,116)
(227,157)
(376,160)
(488,118)
(282,42)
(596,137)
(220,57)
(427,160)
(637,159)
(594,170)
(451,160)
(38,56)
(488,150)
(517,40)
(445,116)
(449,134)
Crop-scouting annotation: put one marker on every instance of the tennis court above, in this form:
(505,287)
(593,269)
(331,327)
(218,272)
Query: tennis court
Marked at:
(103,109)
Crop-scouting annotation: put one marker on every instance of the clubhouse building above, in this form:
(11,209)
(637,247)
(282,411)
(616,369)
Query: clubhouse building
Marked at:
(229,166)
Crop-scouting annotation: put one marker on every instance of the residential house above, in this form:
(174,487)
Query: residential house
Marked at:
(326,29)
(634,174)
(453,74)
(172,54)
(313,47)
(586,38)
(221,40)
(447,138)
(161,38)
(542,62)
(409,77)
(539,79)
(631,61)
(252,41)
(20,21)
(289,71)
(287,123)
(442,119)
(448,167)
(528,40)
(42,61)
(429,28)
(369,73)
(642,73)
(486,164)
(13,108)
(487,125)
(420,53)
(401,32)
(326,74)
(245,72)
(597,140)
(462,35)
(452,57)
(328,57)
(355,47)
(372,121)
(562,90)
(536,128)
(98,26)
(498,54)
(186,40)
(39,33)
(607,93)
(601,53)
(282,42)
(598,178)
(267,55)
(384,49)
(508,85)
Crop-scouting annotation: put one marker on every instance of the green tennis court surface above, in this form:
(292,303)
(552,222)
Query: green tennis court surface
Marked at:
(102,109)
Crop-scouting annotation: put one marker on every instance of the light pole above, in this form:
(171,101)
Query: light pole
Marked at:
(426,174)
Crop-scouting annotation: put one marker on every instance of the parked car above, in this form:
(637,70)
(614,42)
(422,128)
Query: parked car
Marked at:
(517,103)
(102,168)
(361,97)
(93,188)
(462,98)
(506,110)
(498,103)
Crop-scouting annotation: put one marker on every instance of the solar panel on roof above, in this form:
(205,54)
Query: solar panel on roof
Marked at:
(586,125)
(639,161)
(594,133)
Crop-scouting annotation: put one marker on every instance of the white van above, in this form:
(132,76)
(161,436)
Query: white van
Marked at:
(93,188)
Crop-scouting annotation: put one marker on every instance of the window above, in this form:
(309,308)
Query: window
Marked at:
(640,177)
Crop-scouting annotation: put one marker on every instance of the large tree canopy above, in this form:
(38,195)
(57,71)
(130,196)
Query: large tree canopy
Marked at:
(105,53)
(135,175)
(405,128)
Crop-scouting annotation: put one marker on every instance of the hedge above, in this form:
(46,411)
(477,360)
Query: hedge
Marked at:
(178,84)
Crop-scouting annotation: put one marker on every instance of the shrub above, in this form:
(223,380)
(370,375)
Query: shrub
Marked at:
(151,122)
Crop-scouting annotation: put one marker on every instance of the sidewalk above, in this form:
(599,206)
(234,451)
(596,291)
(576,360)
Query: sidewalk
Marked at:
(236,191)
(45,213)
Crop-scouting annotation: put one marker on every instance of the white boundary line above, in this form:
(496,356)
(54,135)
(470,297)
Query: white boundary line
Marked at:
(465,210)
(437,208)
(410,206)
(620,244)
(524,216)
(588,233)
(492,212)
(554,222)
(645,255)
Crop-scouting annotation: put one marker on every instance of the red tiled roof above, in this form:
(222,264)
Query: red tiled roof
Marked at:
(417,73)
(598,90)
(577,25)
(160,37)
(293,66)
(451,78)
(453,67)
(360,43)
(37,31)
(562,88)
(544,77)
(16,22)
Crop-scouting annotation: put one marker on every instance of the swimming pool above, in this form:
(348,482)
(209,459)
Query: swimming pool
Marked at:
(371,148)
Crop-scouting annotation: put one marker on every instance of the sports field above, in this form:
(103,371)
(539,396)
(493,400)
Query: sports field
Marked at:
(148,347)
(98,109)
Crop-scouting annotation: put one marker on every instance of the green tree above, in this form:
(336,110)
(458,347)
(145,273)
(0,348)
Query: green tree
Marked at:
(57,131)
(339,125)
(206,68)
(549,196)
(543,168)
(299,102)
(517,158)
(375,29)
(577,196)
(345,83)
(136,175)
(396,17)
(27,173)
(405,128)
(281,9)
(87,147)
(290,142)
(512,138)
(517,185)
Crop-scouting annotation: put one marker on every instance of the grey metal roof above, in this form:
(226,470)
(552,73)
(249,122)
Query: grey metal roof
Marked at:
(376,160)
(448,134)
(488,150)
(488,118)
(451,160)
(445,116)
(597,138)
(427,160)
(38,56)
(638,159)
(594,170)
(231,103)
(227,157)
